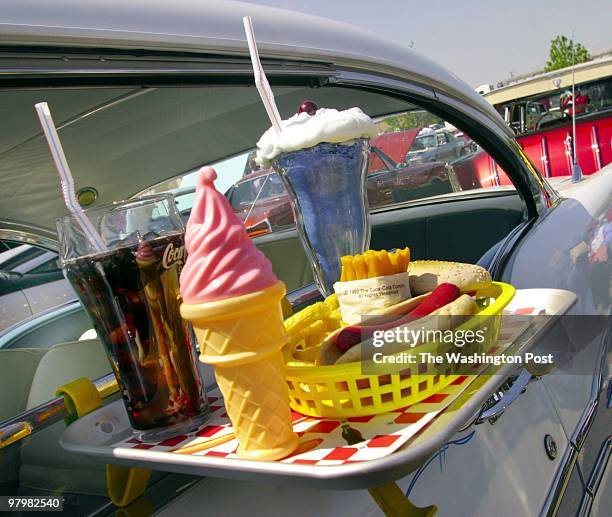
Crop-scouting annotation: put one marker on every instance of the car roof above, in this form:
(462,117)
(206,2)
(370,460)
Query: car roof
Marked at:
(210,30)
(216,26)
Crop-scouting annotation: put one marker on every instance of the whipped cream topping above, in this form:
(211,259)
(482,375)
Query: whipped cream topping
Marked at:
(304,130)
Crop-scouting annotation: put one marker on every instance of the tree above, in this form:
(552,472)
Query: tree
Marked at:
(560,55)
(411,120)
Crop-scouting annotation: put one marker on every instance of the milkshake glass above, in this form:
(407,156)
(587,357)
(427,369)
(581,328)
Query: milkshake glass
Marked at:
(327,190)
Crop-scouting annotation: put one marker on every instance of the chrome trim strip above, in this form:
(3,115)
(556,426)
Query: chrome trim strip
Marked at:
(301,69)
(48,413)
(544,156)
(505,399)
(559,484)
(19,232)
(595,478)
(595,146)
(588,416)
(304,296)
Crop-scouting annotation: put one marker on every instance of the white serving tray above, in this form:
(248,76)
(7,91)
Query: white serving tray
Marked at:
(97,433)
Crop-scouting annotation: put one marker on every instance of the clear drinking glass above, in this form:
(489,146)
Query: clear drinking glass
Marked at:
(327,189)
(131,292)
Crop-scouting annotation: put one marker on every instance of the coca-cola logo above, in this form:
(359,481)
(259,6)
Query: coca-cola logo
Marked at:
(173,256)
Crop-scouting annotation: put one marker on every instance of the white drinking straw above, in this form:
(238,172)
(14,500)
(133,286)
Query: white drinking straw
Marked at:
(261,81)
(55,146)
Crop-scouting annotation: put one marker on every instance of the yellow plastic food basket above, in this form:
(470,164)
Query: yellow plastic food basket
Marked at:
(341,391)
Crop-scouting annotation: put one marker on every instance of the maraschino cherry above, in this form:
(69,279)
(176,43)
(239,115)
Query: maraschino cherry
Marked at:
(309,107)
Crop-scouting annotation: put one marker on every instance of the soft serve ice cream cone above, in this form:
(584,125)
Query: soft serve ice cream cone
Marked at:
(232,298)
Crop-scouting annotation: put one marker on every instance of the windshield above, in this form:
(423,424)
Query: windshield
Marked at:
(246,191)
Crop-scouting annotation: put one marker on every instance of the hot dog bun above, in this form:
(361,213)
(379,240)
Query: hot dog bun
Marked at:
(458,310)
(426,275)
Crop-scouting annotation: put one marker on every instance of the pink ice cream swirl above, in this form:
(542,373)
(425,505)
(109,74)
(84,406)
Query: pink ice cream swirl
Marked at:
(222,261)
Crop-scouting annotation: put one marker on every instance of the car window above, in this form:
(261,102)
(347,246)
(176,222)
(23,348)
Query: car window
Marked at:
(259,188)
(49,266)
(31,281)
(424,142)
(18,255)
(416,156)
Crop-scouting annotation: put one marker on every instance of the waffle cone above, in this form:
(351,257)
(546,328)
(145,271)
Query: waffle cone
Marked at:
(242,338)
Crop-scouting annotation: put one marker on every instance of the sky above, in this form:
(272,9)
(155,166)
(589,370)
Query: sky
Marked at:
(481,41)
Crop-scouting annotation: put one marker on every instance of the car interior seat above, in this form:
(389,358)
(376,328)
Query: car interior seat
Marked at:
(17,368)
(44,464)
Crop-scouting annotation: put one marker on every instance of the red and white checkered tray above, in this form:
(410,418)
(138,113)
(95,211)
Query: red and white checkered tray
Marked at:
(327,447)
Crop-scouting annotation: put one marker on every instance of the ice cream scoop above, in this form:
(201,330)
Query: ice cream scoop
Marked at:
(222,260)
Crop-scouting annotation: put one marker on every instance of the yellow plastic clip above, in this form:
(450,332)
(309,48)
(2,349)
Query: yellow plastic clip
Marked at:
(393,503)
(140,508)
(81,397)
(123,484)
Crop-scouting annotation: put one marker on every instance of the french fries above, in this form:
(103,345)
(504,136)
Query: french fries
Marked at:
(374,263)
(311,325)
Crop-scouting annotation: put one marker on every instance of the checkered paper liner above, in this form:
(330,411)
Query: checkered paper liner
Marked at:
(323,442)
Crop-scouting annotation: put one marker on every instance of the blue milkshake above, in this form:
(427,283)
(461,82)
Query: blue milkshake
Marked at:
(327,188)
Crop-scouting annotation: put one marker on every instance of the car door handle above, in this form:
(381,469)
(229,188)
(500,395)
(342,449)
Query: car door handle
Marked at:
(503,399)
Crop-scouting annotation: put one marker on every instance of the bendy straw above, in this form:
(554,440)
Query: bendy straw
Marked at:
(261,81)
(55,146)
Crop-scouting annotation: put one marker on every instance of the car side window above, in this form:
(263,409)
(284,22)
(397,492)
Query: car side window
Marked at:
(31,281)
(432,158)
(49,266)
(417,156)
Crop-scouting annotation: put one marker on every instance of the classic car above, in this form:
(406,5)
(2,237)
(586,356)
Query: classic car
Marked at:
(435,146)
(261,202)
(143,93)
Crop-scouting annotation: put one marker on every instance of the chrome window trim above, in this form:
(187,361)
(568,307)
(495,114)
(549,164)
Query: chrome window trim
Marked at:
(560,482)
(88,62)
(27,234)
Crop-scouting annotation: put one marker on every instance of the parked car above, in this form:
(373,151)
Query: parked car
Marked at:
(395,145)
(31,282)
(435,146)
(538,108)
(143,95)
(261,202)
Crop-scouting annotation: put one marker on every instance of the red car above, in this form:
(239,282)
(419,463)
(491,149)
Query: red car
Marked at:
(261,202)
